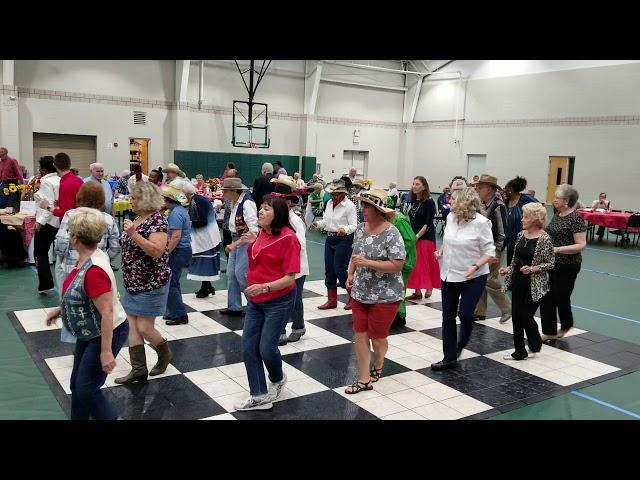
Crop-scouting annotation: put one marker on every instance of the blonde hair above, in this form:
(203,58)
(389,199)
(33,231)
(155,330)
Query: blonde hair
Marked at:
(536,212)
(149,197)
(467,203)
(88,225)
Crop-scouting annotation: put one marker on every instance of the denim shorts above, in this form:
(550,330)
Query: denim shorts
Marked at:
(146,304)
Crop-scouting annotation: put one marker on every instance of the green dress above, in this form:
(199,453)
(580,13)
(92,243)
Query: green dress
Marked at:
(402,223)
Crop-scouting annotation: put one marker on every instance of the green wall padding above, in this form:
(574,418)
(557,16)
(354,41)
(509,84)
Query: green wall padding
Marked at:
(212,164)
(308,168)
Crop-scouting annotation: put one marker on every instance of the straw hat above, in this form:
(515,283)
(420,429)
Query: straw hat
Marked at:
(337,186)
(172,167)
(458,185)
(377,198)
(490,180)
(285,180)
(233,183)
(175,194)
(358,182)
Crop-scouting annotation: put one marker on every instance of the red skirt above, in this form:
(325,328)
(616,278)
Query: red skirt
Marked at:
(426,274)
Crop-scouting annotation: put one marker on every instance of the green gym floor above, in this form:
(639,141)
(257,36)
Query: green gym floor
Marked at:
(604,302)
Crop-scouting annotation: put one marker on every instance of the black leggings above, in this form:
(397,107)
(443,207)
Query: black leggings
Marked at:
(562,279)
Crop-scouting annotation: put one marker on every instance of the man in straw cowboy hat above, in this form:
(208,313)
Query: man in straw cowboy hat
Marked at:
(340,221)
(487,187)
(243,217)
(172,171)
(285,187)
(179,243)
(377,287)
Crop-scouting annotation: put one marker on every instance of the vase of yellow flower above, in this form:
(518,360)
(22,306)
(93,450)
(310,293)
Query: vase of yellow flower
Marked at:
(14,192)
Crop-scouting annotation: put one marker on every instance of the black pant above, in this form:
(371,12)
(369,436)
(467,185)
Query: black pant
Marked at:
(562,279)
(41,245)
(523,308)
(459,298)
(600,231)
(226,239)
(337,253)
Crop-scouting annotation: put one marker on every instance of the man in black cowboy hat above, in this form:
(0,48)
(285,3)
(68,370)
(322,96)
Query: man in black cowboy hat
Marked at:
(487,187)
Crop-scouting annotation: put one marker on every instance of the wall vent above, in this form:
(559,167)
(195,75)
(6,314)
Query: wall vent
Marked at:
(139,118)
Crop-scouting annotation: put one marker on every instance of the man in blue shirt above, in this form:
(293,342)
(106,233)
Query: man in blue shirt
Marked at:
(97,175)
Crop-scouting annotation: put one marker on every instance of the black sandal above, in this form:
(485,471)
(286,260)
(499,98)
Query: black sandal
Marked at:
(376,373)
(358,387)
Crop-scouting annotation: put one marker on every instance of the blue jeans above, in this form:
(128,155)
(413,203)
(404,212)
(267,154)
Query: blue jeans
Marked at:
(297,310)
(237,268)
(337,253)
(178,260)
(262,326)
(87,377)
(465,294)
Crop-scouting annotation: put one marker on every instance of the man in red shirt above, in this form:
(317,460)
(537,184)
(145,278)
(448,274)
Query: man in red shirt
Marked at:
(69,186)
(10,172)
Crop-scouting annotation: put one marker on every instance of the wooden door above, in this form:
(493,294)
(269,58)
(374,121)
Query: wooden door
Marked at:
(558,174)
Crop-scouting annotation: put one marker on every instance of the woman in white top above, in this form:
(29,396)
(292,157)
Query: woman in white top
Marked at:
(286,188)
(340,221)
(47,224)
(603,204)
(466,249)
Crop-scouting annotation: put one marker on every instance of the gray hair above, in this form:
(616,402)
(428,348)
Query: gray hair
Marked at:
(267,168)
(149,197)
(95,165)
(569,193)
(126,173)
(188,188)
(88,225)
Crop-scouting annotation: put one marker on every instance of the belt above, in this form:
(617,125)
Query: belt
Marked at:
(335,234)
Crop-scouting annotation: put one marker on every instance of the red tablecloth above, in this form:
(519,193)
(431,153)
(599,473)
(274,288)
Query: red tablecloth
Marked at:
(26,225)
(608,220)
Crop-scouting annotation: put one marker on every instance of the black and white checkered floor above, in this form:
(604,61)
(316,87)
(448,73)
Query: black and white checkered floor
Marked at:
(207,375)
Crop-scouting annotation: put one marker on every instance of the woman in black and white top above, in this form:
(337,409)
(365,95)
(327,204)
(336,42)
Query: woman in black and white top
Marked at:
(467,247)
(568,234)
(528,276)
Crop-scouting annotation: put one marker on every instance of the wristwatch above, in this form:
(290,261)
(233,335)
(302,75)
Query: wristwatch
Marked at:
(477,267)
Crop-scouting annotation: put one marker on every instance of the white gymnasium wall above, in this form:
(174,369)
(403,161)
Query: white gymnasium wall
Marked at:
(346,101)
(606,154)
(382,143)
(282,88)
(109,123)
(153,79)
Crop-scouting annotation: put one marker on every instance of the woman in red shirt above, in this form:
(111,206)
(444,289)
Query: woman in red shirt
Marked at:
(92,312)
(274,260)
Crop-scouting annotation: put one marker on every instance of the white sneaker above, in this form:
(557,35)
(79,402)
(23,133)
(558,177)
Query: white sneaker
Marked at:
(275,389)
(263,402)
(505,317)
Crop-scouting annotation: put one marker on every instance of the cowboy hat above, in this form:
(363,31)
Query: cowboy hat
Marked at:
(175,194)
(233,183)
(490,180)
(358,182)
(285,180)
(337,186)
(375,197)
(172,167)
(458,185)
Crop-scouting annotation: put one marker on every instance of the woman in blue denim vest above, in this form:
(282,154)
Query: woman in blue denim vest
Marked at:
(92,312)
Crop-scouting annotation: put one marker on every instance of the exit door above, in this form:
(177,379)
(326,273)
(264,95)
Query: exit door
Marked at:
(560,171)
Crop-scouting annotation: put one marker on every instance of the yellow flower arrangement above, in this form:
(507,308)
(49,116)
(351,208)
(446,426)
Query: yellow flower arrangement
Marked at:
(368,182)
